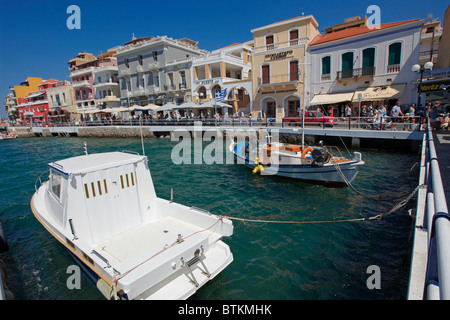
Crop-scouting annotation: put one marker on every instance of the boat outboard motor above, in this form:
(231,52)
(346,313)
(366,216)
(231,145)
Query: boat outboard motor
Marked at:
(320,156)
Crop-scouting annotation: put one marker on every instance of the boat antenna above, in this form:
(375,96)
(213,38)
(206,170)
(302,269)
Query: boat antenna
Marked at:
(142,140)
(85,148)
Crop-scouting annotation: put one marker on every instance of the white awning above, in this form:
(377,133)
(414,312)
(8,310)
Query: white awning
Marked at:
(320,99)
(380,92)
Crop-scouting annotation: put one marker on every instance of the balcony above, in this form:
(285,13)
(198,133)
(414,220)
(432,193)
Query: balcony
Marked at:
(355,73)
(81,72)
(281,45)
(106,84)
(280,79)
(395,68)
(81,84)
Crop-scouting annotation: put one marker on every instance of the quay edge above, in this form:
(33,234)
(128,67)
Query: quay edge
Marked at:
(354,138)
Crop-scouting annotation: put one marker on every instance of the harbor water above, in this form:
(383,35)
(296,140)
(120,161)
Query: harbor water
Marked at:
(272,261)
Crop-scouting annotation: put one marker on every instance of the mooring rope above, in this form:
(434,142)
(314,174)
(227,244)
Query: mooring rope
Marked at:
(376,217)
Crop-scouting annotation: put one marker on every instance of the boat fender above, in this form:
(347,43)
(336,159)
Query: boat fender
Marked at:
(3,242)
(306,151)
(259,168)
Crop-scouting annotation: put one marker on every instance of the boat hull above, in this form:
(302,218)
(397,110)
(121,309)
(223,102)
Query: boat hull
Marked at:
(176,287)
(330,175)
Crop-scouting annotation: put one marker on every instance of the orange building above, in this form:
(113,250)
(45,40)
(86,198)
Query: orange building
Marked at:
(31,84)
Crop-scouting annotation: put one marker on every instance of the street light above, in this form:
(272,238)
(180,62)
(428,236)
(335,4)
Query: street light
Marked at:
(417,68)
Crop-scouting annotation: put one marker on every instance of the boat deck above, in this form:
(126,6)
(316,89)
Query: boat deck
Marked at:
(130,248)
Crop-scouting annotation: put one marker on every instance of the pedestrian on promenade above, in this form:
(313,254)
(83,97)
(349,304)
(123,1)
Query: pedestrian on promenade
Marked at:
(395,114)
(348,111)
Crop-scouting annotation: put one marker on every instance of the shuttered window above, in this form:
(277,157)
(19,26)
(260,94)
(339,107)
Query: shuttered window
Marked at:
(293,70)
(265,74)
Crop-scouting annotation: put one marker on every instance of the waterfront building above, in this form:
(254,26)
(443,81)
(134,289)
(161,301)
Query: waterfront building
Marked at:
(370,62)
(95,82)
(34,107)
(81,67)
(23,90)
(156,70)
(436,83)
(225,68)
(106,81)
(278,66)
(429,40)
(61,100)
(11,106)
(443,60)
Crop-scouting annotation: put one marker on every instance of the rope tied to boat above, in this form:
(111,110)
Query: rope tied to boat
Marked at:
(376,217)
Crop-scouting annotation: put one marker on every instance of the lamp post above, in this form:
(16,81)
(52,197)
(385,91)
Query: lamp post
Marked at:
(417,68)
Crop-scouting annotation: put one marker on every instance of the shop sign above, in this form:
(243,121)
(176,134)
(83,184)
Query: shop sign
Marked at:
(437,86)
(278,55)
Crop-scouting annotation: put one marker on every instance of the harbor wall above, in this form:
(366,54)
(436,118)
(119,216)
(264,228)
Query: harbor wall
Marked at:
(356,139)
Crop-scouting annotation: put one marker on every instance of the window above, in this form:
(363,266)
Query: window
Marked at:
(183,79)
(156,80)
(142,82)
(171,80)
(129,85)
(395,51)
(127,64)
(269,42)
(140,59)
(293,108)
(326,65)
(347,65)
(265,74)
(368,61)
(155,55)
(293,70)
(202,92)
(293,37)
(270,109)
(56,184)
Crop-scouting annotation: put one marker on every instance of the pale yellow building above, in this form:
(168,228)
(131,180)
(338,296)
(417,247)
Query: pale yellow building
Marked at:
(278,66)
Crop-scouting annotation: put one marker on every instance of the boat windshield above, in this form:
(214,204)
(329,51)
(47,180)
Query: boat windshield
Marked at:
(55,183)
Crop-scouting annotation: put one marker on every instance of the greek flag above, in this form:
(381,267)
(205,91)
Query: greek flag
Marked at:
(220,95)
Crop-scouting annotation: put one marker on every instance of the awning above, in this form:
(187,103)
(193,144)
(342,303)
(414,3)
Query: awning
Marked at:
(167,107)
(320,99)
(146,108)
(380,92)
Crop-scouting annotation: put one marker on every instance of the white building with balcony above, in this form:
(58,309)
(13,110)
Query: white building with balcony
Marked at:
(225,68)
(156,70)
(106,84)
(374,61)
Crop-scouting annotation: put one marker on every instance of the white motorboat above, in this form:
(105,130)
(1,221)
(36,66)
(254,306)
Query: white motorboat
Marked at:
(5,134)
(103,208)
(314,164)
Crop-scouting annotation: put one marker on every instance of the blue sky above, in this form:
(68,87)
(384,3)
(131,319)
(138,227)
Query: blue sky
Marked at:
(35,40)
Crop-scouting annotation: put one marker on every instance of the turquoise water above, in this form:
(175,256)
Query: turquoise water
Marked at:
(324,261)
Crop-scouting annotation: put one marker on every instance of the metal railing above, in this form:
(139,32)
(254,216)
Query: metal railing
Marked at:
(403,123)
(437,223)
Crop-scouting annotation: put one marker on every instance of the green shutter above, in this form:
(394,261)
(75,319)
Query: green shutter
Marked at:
(347,61)
(368,58)
(326,65)
(395,51)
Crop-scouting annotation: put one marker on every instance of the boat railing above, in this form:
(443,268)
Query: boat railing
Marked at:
(38,182)
(436,222)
